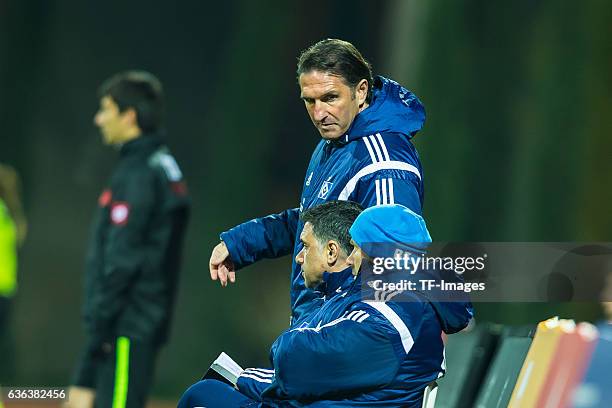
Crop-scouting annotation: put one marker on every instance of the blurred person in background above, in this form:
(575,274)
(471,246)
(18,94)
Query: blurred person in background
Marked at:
(365,155)
(134,252)
(13,230)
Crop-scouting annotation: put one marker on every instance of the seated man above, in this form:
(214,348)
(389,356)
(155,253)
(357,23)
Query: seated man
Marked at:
(349,352)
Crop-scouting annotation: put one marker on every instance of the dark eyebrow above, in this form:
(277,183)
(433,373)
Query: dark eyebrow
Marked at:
(328,94)
(322,98)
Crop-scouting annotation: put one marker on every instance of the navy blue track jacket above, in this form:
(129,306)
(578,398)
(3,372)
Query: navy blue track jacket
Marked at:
(352,352)
(374,163)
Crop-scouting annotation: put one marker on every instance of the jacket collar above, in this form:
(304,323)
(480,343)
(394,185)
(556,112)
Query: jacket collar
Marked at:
(336,282)
(142,144)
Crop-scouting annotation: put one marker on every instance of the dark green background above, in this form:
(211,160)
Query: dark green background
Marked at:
(516,147)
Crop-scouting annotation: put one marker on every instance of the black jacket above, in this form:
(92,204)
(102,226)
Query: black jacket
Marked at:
(134,252)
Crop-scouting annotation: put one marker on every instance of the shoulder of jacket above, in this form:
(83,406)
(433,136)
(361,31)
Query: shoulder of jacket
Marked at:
(359,151)
(395,312)
(386,147)
(162,161)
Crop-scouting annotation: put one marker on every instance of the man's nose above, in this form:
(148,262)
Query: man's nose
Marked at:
(318,111)
(299,258)
(98,119)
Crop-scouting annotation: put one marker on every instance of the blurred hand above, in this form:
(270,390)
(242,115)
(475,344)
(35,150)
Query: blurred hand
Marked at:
(221,265)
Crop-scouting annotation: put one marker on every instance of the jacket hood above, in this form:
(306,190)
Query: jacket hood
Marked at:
(393,109)
(144,143)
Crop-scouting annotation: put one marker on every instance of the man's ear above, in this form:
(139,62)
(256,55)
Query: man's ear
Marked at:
(130,115)
(332,252)
(362,91)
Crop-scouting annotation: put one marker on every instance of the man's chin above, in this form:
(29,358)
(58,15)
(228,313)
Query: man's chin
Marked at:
(310,284)
(330,135)
(107,140)
(111,141)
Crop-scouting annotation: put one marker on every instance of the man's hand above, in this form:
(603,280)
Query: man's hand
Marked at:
(221,265)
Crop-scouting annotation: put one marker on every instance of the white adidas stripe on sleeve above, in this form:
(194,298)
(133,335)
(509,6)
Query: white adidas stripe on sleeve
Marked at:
(383,147)
(256,378)
(372,168)
(384,191)
(369,147)
(260,372)
(379,154)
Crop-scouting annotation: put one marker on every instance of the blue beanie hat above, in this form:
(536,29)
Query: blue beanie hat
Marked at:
(385,228)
